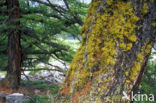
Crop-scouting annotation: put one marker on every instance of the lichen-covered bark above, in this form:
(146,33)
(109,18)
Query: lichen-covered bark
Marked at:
(12,79)
(117,39)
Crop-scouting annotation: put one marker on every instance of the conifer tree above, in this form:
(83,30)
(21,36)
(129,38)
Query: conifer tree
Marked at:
(37,28)
(117,39)
(12,80)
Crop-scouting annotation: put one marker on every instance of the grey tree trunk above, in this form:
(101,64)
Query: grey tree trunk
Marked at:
(117,39)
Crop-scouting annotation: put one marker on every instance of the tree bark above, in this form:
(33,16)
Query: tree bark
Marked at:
(12,79)
(117,38)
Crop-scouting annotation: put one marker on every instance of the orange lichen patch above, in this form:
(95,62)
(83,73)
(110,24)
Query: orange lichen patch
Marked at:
(98,56)
(76,96)
(84,92)
(95,74)
(100,38)
(66,81)
(5,90)
(65,91)
(9,90)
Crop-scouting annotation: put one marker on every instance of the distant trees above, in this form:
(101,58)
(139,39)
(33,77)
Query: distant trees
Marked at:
(32,36)
(117,39)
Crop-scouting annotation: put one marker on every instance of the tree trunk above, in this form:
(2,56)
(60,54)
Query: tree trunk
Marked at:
(12,80)
(117,39)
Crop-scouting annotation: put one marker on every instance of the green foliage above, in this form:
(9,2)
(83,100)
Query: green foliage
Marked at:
(39,99)
(3,36)
(42,27)
(148,85)
(3,52)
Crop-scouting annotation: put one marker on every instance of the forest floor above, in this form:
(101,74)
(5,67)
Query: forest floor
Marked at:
(40,91)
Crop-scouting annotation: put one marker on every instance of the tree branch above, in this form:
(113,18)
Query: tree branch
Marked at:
(62,11)
(59,47)
(53,6)
(39,52)
(40,69)
(65,2)
(40,12)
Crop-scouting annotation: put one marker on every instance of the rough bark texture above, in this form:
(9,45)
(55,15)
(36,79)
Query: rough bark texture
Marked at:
(117,39)
(12,80)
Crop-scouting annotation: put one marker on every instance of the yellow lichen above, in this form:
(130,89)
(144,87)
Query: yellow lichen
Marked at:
(122,45)
(148,48)
(98,100)
(126,47)
(134,71)
(145,50)
(132,38)
(83,77)
(113,27)
(140,57)
(154,24)
(104,27)
(83,36)
(144,9)
(127,73)
(109,2)
(129,46)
